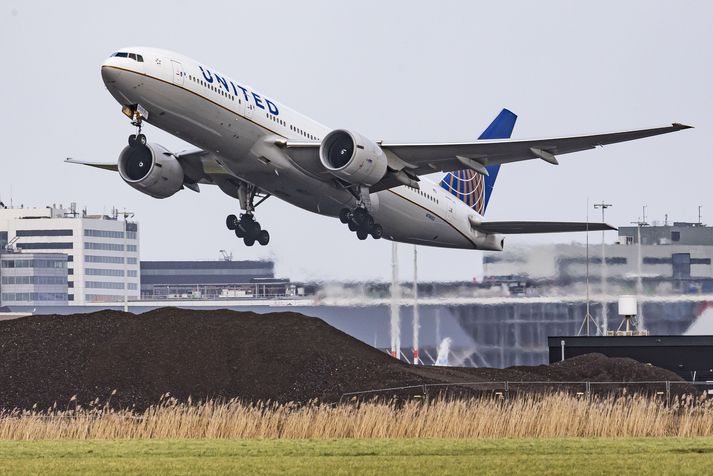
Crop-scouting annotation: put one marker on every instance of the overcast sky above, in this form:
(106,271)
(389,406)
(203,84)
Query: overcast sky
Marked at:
(406,71)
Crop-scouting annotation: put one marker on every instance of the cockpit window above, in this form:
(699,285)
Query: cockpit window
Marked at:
(133,56)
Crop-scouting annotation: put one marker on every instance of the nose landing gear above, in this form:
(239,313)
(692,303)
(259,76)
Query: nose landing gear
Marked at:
(360,221)
(138,138)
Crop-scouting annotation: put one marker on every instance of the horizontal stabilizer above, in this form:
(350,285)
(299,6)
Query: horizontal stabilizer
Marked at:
(111,167)
(521,227)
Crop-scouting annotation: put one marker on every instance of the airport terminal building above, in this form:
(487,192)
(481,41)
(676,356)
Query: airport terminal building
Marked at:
(101,255)
(210,280)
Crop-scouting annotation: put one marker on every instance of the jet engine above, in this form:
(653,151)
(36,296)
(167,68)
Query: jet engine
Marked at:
(352,157)
(151,169)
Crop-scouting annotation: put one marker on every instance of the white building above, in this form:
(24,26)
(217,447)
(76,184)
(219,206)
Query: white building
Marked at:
(676,257)
(102,251)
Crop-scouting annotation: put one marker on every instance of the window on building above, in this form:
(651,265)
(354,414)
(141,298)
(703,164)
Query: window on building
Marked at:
(44,233)
(675,235)
(105,259)
(104,272)
(700,261)
(104,233)
(45,246)
(656,260)
(103,285)
(90,245)
(681,264)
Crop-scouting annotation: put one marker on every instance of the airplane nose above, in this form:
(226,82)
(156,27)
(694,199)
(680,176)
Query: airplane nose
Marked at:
(110,74)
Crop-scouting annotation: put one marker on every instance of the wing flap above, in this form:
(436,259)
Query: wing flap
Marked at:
(523,227)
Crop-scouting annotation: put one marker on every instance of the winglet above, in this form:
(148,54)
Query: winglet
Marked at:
(680,126)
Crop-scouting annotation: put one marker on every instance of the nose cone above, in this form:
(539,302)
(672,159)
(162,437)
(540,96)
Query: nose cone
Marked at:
(110,73)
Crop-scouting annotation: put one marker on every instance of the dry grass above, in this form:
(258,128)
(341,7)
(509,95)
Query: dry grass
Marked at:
(557,415)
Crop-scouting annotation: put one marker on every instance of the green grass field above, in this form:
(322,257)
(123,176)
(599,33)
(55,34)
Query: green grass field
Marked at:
(397,456)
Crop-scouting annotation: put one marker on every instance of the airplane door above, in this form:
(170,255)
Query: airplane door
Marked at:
(178,73)
(249,109)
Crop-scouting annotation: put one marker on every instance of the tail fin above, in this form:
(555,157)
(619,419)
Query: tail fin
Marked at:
(470,187)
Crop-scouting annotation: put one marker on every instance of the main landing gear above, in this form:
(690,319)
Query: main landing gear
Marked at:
(360,221)
(246,227)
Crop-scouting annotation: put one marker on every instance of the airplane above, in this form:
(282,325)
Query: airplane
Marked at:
(253,147)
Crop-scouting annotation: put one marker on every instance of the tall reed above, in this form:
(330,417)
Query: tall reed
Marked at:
(554,415)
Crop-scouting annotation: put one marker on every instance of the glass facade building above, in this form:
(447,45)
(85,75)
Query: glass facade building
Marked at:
(33,279)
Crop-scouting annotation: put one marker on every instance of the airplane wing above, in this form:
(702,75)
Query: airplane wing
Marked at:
(111,167)
(417,159)
(521,227)
(198,167)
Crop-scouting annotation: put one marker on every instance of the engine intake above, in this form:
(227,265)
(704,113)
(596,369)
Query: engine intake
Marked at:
(151,169)
(353,158)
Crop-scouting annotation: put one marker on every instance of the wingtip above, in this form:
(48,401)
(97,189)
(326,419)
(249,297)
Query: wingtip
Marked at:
(680,126)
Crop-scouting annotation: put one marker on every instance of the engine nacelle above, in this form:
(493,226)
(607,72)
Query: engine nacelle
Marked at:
(353,158)
(151,169)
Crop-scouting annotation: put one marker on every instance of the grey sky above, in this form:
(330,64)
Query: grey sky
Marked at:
(393,70)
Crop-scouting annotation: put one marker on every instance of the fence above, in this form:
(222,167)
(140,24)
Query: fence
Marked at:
(661,389)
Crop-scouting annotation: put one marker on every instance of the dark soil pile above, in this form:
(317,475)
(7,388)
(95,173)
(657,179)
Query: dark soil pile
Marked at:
(226,354)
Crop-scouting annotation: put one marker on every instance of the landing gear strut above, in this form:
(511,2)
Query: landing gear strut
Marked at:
(138,138)
(360,221)
(246,227)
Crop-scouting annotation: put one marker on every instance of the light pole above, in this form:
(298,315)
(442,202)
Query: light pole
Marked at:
(605,318)
(416,320)
(126,216)
(639,282)
(395,298)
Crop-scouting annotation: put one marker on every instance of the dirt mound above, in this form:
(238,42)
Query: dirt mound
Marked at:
(226,354)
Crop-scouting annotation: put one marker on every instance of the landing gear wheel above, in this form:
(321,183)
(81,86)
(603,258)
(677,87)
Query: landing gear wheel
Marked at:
(359,214)
(253,228)
(132,140)
(263,237)
(362,234)
(249,241)
(377,231)
(344,215)
(239,232)
(141,139)
(231,222)
(368,222)
(352,226)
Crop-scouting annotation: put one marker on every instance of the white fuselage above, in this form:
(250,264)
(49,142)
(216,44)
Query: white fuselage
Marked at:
(241,127)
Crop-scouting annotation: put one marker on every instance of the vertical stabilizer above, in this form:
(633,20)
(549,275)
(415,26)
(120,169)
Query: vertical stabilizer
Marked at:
(473,188)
